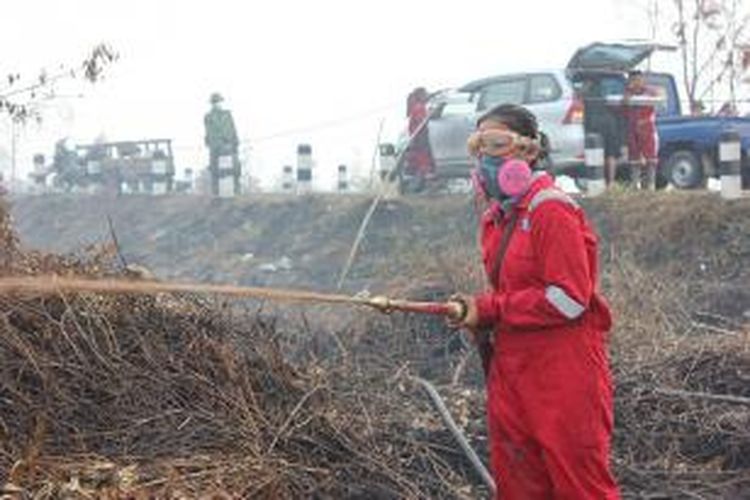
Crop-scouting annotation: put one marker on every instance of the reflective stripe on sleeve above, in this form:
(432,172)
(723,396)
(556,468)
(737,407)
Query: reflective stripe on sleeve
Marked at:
(548,195)
(563,302)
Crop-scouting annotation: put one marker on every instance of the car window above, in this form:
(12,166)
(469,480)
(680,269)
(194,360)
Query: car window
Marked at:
(458,108)
(458,104)
(543,88)
(502,92)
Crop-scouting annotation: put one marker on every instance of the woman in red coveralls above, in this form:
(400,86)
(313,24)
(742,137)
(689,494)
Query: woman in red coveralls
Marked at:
(549,387)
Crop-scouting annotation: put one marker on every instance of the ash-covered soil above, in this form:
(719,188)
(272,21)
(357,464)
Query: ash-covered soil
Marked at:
(675,267)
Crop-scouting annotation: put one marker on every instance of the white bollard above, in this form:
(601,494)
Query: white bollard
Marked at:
(190,179)
(594,160)
(40,177)
(304,169)
(226,176)
(287,179)
(343,177)
(387,186)
(387,160)
(730,158)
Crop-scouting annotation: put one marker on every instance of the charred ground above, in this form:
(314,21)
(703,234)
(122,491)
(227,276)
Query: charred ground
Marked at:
(333,404)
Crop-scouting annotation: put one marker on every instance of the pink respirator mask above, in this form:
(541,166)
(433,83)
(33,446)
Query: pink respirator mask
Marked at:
(501,178)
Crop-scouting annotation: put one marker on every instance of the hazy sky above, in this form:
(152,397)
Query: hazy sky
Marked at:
(285,65)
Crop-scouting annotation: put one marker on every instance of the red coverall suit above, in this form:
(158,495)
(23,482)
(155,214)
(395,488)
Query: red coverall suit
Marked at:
(643,139)
(419,156)
(549,388)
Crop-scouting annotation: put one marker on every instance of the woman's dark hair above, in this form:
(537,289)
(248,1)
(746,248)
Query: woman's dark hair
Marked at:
(521,121)
(419,94)
(517,118)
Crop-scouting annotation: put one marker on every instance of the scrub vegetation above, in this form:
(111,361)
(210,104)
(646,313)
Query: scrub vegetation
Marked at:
(181,396)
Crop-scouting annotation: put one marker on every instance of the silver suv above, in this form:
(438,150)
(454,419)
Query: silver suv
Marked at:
(548,94)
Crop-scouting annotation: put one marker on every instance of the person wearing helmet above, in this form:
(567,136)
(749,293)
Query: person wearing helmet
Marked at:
(221,140)
(541,326)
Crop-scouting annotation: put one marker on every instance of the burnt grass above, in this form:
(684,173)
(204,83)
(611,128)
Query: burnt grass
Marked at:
(673,265)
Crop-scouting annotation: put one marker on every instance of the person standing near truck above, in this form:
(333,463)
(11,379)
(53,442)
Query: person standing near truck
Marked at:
(542,326)
(643,140)
(602,119)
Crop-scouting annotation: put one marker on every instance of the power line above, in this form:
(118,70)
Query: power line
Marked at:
(322,125)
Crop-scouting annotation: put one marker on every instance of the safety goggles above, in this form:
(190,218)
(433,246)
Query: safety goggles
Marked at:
(500,143)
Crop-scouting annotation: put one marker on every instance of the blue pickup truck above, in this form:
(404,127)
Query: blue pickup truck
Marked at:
(688,145)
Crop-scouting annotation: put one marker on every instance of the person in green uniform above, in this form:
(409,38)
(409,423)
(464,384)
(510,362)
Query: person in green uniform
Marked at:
(221,140)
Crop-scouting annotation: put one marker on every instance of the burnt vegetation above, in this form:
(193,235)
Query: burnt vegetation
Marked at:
(182,396)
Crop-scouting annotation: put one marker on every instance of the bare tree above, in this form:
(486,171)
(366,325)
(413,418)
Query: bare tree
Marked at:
(738,60)
(710,33)
(22,97)
(18,97)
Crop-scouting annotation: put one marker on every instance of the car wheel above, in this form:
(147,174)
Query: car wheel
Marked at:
(684,170)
